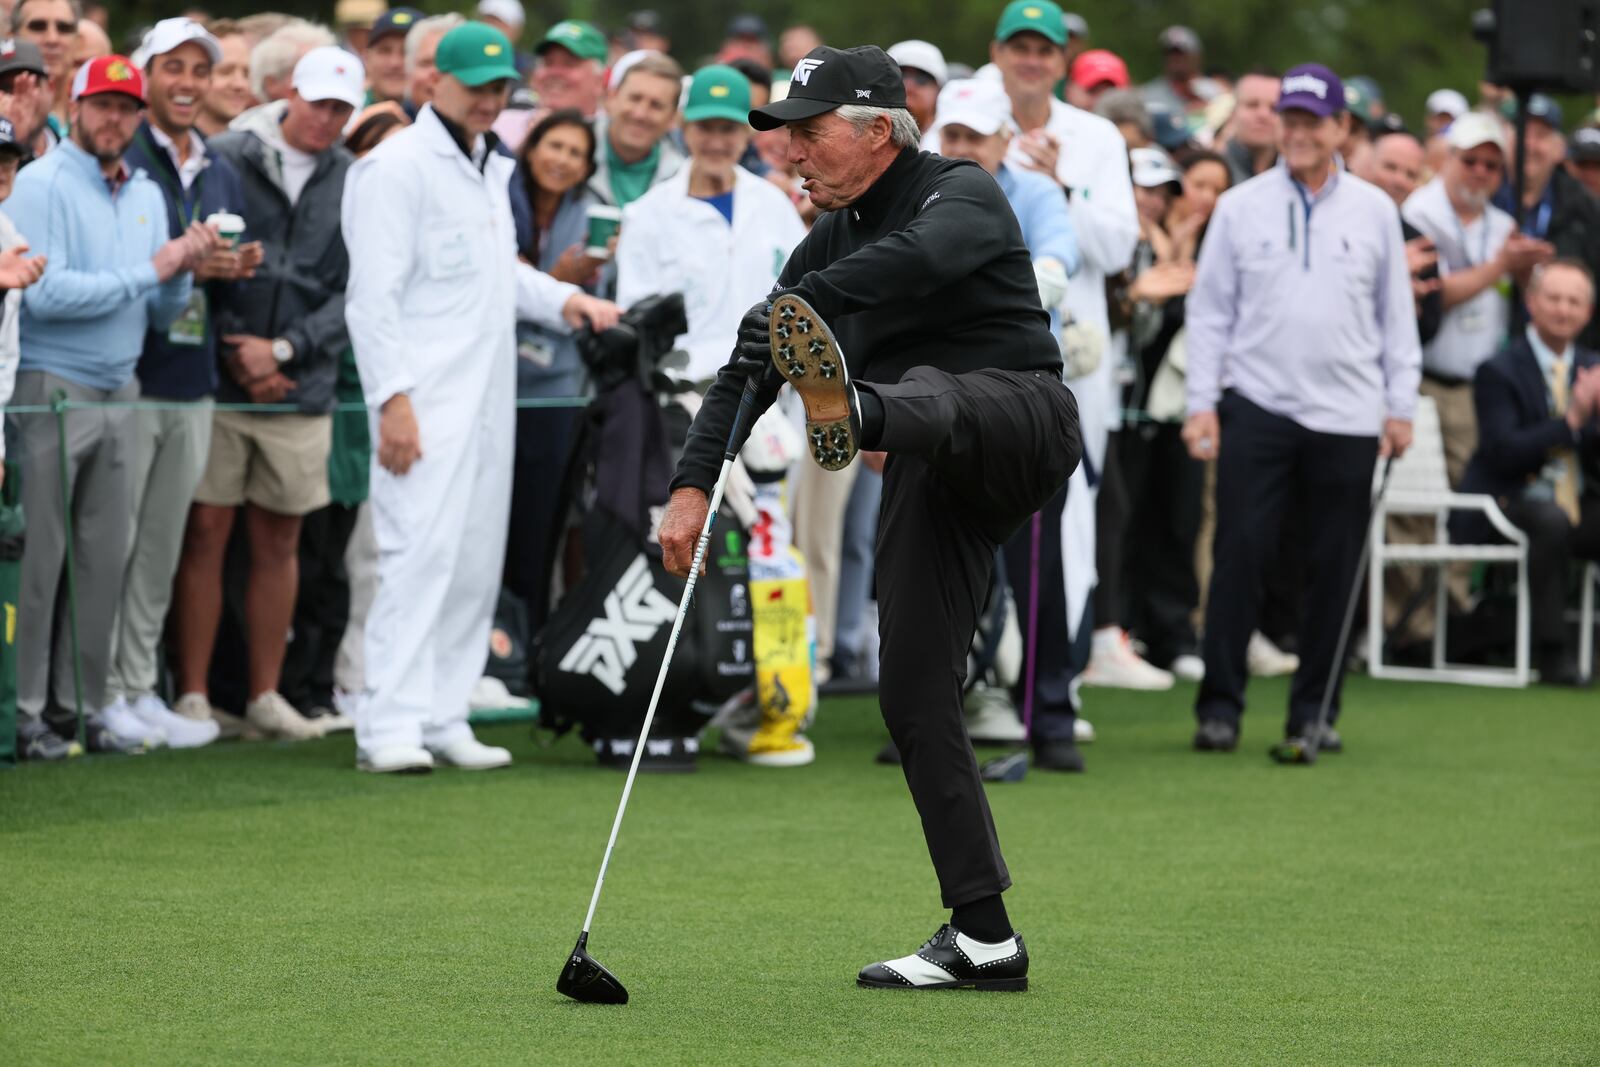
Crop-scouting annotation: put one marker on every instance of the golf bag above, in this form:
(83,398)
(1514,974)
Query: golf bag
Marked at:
(612,602)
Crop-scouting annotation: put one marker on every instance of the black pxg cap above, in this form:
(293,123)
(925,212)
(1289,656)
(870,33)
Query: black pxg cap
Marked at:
(829,78)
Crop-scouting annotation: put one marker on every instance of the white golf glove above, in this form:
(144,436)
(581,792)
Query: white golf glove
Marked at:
(1052,279)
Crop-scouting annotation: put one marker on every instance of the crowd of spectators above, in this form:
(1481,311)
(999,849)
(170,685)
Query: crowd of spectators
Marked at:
(175,253)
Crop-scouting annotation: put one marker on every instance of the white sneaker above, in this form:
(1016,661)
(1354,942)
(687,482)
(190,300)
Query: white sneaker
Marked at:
(1189,667)
(1114,664)
(330,721)
(395,759)
(992,717)
(470,754)
(491,694)
(177,731)
(276,717)
(1267,660)
(1082,731)
(197,706)
(128,727)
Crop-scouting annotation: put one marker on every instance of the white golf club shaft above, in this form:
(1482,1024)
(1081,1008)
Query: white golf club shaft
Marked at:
(672,643)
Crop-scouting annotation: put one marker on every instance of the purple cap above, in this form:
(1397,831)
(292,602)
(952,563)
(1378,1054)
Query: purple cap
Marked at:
(1311,87)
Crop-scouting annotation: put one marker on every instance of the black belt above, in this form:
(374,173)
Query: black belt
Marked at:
(1445,379)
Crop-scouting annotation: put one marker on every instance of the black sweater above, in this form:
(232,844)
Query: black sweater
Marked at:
(927,269)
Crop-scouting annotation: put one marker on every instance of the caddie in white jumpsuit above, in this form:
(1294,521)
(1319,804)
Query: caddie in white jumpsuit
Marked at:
(434,294)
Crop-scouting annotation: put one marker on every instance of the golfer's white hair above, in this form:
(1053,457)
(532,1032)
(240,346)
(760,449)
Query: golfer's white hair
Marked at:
(425,28)
(903,129)
(275,55)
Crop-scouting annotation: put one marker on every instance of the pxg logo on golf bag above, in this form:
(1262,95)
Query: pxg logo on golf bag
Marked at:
(635,610)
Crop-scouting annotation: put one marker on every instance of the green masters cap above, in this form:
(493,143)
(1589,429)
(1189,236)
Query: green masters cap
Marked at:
(1032,16)
(577,37)
(476,54)
(718,92)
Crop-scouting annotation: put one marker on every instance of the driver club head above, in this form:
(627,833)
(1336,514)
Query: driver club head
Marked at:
(586,979)
(1012,767)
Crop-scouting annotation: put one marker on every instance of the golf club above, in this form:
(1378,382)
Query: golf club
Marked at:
(1293,752)
(584,977)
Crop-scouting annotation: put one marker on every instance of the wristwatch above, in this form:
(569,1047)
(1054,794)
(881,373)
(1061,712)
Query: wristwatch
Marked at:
(282,350)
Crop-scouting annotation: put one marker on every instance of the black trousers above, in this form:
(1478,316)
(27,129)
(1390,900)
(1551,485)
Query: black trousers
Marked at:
(1054,668)
(1166,487)
(971,457)
(1267,465)
(1553,543)
(321,608)
(1111,507)
(544,443)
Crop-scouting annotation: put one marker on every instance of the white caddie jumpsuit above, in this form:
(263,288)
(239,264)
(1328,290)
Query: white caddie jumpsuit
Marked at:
(434,294)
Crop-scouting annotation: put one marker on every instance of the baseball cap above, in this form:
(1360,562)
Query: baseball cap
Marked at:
(1540,107)
(1032,16)
(1311,87)
(718,92)
(576,36)
(979,105)
(508,11)
(1447,102)
(747,26)
(1474,129)
(108,74)
(828,78)
(1169,129)
(476,53)
(168,34)
(1584,146)
(1152,168)
(1179,39)
(1098,66)
(331,73)
(397,20)
(1363,98)
(1075,24)
(920,55)
(8,139)
(17,54)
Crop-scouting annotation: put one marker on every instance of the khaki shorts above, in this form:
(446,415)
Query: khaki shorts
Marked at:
(276,462)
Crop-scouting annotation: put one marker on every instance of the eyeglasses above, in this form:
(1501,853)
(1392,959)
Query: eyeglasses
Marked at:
(40,25)
(1479,163)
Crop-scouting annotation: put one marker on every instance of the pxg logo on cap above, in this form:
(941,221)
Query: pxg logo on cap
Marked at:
(829,78)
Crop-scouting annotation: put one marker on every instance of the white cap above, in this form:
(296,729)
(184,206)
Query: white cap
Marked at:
(1474,129)
(978,104)
(1152,167)
(331,73)
(166,35)
(507,11)
(923,56)
(625,63)
(1447,102)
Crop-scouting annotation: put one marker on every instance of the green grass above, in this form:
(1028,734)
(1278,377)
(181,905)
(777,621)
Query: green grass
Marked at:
(1433,896)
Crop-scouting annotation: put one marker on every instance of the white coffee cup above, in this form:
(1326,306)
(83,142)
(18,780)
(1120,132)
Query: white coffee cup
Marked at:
(230,227)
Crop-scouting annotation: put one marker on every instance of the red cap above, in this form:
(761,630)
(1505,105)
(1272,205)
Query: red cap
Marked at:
(1098,66)
(108,74)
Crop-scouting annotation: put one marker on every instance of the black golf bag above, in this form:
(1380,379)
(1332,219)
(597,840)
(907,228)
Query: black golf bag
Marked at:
(612,604)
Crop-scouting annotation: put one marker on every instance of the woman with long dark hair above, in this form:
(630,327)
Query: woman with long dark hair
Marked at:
(549,203)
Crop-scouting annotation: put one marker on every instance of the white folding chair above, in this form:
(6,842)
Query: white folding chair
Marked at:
(1420,485)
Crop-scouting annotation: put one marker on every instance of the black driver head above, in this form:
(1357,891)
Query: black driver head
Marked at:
(584,978)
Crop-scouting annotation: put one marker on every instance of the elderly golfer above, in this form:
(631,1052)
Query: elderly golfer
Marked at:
(909,322)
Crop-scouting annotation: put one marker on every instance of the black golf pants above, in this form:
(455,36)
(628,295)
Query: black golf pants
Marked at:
(971,457)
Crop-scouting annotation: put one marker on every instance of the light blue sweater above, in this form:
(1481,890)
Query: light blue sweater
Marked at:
(85,320)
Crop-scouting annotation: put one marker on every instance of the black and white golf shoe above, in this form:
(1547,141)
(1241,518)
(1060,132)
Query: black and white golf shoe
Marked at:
(952,960)
(808,356)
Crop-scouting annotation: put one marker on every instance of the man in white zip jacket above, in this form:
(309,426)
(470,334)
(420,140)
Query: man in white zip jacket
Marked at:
(713,231)
(434,294)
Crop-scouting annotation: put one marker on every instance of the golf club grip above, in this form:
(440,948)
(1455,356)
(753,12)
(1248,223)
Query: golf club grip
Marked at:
(746,403)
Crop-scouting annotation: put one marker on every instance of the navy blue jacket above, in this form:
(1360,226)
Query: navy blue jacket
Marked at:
(166,370)
(1516,432)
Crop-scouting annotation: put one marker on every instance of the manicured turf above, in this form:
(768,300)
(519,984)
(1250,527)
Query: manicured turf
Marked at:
(1432,896)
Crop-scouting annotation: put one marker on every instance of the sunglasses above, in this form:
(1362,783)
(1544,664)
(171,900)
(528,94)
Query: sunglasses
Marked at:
(40,25)
(917,77)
